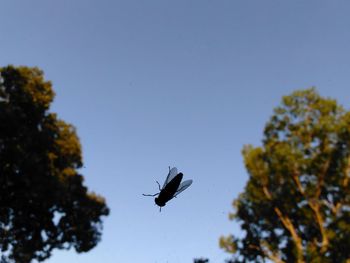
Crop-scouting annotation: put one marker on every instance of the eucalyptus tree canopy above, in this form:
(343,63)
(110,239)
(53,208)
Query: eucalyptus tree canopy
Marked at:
(296,204)
(43,201)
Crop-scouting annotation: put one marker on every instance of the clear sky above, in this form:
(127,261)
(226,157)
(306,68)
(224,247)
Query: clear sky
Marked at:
(184,83)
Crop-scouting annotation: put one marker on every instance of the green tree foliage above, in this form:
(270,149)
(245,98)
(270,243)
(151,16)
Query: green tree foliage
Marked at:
(43,202)
(296,204)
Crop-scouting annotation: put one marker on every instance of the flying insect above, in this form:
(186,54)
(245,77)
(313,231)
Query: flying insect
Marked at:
(171,187)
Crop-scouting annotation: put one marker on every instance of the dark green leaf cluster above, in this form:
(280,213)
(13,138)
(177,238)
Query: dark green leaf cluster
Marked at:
(296,204)
(43,202)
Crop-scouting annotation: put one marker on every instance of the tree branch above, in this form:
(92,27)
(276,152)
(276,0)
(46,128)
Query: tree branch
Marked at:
(268,252)
(333,208)
(315,206)
(296,180)
(314,202)
(287,223)
(346,174)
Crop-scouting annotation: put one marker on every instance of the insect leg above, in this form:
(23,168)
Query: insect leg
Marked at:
(150,195)
(158,186)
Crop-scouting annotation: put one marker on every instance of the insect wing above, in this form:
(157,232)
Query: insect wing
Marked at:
(183,186)
(172,173)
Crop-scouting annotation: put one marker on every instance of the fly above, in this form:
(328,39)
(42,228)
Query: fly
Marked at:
(171,187)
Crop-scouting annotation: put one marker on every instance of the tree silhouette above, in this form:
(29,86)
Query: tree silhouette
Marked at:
(296,204)
(43,202)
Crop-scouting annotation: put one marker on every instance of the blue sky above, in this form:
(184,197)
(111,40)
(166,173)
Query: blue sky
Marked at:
(183,83)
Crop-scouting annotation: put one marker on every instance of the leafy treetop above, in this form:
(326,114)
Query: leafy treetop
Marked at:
(296,204)
(43,202)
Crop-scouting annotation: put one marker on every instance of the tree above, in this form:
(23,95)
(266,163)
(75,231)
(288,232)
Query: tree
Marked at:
(296,204)
(43,202)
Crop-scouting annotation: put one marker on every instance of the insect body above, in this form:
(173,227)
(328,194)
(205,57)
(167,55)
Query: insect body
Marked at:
(171,188)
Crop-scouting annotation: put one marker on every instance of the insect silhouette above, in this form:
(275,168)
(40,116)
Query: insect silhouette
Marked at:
(171,188)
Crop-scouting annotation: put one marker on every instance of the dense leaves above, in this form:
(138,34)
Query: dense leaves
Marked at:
(43,202)
(296,204)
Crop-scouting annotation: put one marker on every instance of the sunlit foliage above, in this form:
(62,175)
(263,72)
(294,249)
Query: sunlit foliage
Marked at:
(296,204)
(43,202)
